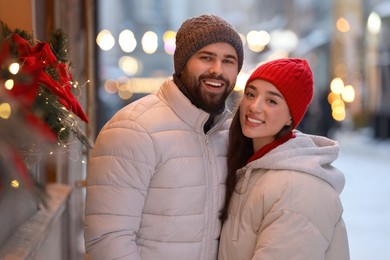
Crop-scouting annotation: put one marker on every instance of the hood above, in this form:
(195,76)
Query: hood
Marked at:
(305,153)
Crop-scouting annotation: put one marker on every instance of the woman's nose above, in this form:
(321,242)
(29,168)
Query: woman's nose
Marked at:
(256,105)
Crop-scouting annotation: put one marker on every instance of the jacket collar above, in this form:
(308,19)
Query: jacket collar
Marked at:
(185,110)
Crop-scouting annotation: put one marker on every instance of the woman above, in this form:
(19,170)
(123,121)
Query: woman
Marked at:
(282,198)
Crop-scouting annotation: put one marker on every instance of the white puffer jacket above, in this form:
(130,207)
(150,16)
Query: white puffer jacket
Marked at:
(287,205)
(155,182)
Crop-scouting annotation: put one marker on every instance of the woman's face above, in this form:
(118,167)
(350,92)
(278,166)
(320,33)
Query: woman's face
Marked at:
(263,112)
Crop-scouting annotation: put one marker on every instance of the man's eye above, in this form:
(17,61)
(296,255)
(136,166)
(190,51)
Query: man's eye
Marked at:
(205,58)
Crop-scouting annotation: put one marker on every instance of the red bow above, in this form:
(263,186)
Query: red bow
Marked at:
(41,56)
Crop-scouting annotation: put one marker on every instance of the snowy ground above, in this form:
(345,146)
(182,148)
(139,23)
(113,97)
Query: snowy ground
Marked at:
(366,197)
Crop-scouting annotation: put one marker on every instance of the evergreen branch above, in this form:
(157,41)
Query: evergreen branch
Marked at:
(59,45)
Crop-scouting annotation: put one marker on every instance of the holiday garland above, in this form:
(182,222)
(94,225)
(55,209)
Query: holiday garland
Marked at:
(38,107)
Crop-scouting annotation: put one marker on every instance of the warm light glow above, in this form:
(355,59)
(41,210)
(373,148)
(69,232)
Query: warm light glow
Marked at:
(129,65)
(5,110)
(14,68)
(111,86)
(168,35)
(337,85)
(149,42)
(241,81)
(337,103)
(127,41)
(348,94)
(374,23)
(9,84)
(264,38)
(339,113)
(332,97)
(257,40)
(169,38)
(170,45)
(15,184)
(105,40)
(338,109)
(145,85)
(256,48)
(125,91)
(343,25)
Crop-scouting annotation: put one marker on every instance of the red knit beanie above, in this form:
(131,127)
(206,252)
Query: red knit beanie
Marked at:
(294,80)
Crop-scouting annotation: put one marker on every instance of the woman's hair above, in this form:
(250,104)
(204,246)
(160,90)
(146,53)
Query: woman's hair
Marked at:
(239,151)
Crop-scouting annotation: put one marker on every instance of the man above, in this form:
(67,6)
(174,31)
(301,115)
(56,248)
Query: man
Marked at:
(155,182)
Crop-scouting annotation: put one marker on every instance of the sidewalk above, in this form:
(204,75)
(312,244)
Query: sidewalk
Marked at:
(365,163)
(362,142)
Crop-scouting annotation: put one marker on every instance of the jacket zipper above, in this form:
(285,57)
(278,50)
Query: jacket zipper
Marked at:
(210,194)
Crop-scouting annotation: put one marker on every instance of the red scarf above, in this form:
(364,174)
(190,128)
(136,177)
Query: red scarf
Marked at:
(266,148)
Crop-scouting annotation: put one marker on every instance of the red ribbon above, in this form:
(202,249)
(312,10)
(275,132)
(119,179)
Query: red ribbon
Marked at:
(41,56)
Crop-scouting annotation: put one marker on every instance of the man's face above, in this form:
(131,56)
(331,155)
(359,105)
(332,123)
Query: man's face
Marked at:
(210,75)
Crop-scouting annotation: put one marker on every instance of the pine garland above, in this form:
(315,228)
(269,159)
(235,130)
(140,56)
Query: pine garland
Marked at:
(43,109)
(47,106)
(59,44)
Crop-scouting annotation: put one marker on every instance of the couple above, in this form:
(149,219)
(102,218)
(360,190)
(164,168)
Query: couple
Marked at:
(166,173)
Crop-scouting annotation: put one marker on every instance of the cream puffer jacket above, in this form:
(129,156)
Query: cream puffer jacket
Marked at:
(287,205)
(155,181)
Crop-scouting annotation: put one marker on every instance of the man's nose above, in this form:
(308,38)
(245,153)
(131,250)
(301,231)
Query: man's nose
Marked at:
(216,68)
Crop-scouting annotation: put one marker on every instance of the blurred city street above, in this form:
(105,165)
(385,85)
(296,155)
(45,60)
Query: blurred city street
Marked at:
(366,165)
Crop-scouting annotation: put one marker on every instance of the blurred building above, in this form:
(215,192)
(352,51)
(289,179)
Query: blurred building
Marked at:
(294,28)
(377,67)
(332,35)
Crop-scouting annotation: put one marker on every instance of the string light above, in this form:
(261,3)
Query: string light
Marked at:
(15,184)
(9,84)
(14,68)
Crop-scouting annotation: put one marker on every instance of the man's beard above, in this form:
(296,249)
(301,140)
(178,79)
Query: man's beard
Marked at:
(213,103)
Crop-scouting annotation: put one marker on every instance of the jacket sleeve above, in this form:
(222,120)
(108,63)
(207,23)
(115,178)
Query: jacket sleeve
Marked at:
(339,248)
(288,235)
(119,172)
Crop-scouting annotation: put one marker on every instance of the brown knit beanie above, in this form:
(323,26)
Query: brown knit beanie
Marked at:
(197,32)
(294,80)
